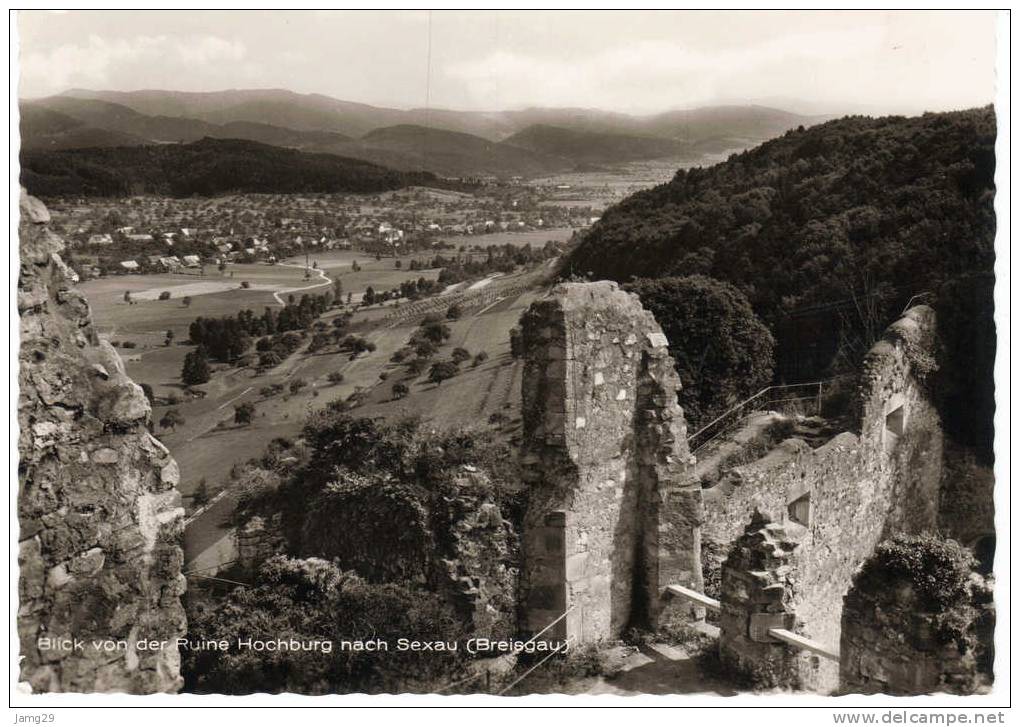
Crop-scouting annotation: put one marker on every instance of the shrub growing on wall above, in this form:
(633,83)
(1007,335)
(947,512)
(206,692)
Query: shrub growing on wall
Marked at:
(353,518)
(313,599)
(937,570)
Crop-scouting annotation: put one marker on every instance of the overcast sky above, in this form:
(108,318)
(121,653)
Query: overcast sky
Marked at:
(831,62)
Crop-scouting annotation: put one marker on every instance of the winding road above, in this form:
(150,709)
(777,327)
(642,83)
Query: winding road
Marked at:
(326,280)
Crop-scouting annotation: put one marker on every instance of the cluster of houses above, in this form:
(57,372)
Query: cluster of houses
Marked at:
(391,225)
(220,249)
(171,263)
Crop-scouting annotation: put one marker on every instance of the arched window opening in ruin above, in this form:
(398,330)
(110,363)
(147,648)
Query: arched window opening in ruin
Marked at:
(799,511)
(894,424)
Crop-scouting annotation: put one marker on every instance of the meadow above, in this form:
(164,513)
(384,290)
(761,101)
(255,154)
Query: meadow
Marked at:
(208,443)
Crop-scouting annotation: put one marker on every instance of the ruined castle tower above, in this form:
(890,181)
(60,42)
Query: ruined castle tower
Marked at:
(612,516)
(99,513)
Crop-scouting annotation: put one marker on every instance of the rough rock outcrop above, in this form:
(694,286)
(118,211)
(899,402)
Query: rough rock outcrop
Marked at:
(100,517)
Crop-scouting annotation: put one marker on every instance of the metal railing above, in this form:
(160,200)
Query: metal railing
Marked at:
(487,674)
(806,398)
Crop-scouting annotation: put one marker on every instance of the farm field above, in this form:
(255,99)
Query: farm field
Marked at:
(148,319)
(114,315)
(477,392)
(208,444)
(468,400)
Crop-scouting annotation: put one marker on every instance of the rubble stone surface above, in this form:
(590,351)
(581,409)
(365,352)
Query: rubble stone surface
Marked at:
(100,516)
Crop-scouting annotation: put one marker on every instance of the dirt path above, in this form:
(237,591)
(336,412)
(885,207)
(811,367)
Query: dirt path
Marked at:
(287,291)
(656,669)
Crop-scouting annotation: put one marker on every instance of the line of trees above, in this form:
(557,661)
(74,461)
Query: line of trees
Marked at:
(226,339)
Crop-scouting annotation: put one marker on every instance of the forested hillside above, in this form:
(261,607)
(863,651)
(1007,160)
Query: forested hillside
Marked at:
(830,231)
(818,214)
(205,167)
(590,147)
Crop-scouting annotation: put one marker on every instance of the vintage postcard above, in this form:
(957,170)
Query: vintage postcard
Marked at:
(476,356)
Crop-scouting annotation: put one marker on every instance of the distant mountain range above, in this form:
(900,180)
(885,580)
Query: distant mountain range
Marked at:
(450,143)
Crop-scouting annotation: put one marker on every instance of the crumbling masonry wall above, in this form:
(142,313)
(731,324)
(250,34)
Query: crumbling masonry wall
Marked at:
(758,595)
(845,497)
(99,514)
(891,641)
(613,516)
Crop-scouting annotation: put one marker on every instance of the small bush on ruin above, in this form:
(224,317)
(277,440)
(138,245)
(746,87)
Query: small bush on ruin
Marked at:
(937,569)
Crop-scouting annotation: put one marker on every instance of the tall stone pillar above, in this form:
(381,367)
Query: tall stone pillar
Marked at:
(612,518)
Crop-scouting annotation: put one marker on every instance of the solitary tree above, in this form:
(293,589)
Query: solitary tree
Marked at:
(201,495)
(171,419)
(417,365)
(435,331)
(269,359)
(196,367)
(127,296)
(243,413)
(516,342)
(441,371)
(400,390)
(186,301)
(460,355)
(267,391)
(169,337)
(319,341)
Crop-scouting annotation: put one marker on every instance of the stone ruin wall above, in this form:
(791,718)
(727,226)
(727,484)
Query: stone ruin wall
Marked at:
(890,641)
(100,517)
(758,595)
(613,516)
(859,489)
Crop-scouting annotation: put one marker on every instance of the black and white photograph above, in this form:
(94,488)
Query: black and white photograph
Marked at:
(510,357)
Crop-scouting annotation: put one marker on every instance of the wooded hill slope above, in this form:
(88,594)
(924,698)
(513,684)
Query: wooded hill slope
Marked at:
(838,210)
(830,232)
(205,167)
